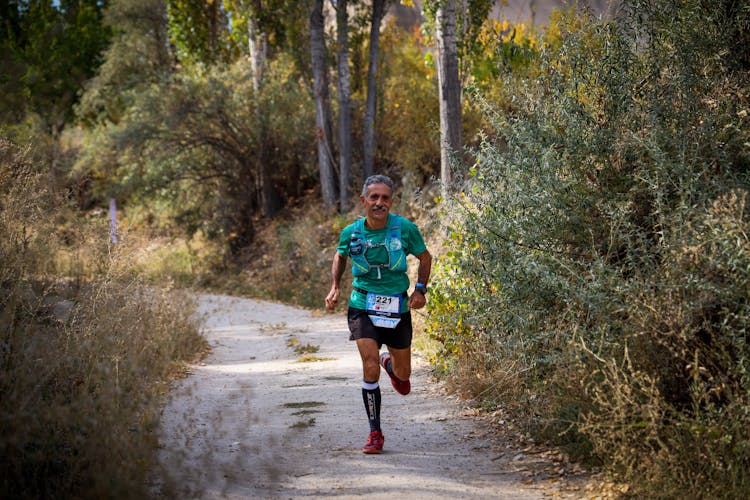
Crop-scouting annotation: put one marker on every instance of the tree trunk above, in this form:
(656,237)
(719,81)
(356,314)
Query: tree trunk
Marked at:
(239,223)
(450,91)
(258,48)
(345,117)
(322,105)
(378,11)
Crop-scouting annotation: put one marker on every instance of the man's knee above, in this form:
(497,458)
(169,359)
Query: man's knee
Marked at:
(371,368)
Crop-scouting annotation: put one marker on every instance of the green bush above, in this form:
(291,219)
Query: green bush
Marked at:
(598,259)
(200,146)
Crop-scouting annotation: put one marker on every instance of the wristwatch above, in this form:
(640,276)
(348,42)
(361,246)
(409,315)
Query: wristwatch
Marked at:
(421,288)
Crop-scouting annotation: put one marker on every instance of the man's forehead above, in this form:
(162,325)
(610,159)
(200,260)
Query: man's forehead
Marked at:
(378,186)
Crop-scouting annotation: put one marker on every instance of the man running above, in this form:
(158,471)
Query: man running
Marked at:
(378,312)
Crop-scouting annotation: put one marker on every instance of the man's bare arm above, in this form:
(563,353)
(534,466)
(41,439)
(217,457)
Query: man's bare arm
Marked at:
(417,299)
(337,271)
(425,267)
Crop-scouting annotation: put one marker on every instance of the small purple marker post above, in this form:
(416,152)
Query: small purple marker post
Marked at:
(113,220)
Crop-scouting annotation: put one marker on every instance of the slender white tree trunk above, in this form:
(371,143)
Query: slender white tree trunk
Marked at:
(258,48)
(450,91)
(378,11)
(345,117)
(322,104)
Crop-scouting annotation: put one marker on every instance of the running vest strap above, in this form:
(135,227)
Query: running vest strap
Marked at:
(404,295)
(359,245)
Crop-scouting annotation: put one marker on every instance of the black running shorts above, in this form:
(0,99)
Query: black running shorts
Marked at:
(361,327)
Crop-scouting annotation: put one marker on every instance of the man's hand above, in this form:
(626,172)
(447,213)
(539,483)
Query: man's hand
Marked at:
(332,298)
(417,300)
(337,270)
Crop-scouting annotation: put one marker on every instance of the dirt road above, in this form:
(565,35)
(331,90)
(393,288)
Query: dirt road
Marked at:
(255,420)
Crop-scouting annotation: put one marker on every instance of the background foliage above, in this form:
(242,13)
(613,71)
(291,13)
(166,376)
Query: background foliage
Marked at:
(188,147)
(47,54)
(592,272)
(597,271)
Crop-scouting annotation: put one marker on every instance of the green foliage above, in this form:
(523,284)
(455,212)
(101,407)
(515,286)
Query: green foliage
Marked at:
(600,249)
(501,48)
(193,144)
(198,30)
(138,56)
(283,21)
(217,32)
(48,53)
(471,19)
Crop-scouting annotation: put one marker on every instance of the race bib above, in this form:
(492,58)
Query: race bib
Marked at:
(384,310)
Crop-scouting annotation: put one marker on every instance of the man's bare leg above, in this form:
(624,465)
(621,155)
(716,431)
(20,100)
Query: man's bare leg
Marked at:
(401,362)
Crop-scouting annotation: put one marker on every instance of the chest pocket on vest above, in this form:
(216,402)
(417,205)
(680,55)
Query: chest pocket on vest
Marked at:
(392,244)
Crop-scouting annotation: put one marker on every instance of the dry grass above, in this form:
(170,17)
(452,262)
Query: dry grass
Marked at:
(85,349)
(291,258)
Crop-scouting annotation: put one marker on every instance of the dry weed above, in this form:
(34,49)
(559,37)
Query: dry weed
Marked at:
(84,350)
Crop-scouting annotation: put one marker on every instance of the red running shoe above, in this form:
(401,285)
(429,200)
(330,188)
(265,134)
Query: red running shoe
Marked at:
(403,387)
(374,444)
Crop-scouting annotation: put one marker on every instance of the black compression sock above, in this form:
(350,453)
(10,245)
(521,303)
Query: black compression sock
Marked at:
(371,398)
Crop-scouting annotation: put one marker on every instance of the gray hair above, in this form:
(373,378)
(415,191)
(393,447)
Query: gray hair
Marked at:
(376,179)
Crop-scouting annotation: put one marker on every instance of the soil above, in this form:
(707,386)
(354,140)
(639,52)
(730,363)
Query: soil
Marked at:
(267,415)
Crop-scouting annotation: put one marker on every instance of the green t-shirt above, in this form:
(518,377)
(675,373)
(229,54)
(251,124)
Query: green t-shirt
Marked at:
(390,282)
